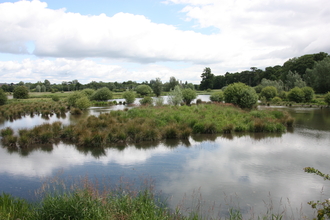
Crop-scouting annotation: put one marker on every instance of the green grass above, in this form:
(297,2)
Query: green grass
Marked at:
(154,124)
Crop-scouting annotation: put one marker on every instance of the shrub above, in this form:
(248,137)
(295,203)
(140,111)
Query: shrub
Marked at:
(88,92)
(309,93)
(3,97)
(55,98)
(217,97)
(21,92)
(283,95)
(129,96)
(159,101)
(268,92)
(188,95)
(143,90)
(327,98)
(296,95)
(102,94)
(175,96)
(240,94)
(147,100)
(83,103)
(73,97)
(276,100)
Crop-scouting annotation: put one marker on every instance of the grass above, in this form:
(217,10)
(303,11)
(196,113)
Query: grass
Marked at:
(153,124)
(89,199)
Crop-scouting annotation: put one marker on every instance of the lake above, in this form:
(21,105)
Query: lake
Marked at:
(253,172)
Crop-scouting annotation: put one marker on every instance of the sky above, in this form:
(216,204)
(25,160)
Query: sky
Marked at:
(141,40)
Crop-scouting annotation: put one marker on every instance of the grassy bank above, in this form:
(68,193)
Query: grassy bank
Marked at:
(90,200)
(152,124)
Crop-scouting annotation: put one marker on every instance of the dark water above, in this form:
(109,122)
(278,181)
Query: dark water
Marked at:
(254,172)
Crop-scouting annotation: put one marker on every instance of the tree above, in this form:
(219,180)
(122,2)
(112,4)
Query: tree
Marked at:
(308,93)
(217,96)
(240,94)
(73,97)
(175,96)
(207,79)
(294,80)
(38,88)
(129,97)
(327,98)
(3,97)
(83,103)
(188,95)
(269,92)
(103,94)
(147,100)
(21,92)
(47,84)
(143,90)
(172,83)
(296,95)
(157,86)
(88,92)
(43,88)
(319,77)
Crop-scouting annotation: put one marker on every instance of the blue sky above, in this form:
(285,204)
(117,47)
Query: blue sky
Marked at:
(139,40)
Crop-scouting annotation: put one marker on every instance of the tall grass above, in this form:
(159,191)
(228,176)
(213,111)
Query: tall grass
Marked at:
(154,124)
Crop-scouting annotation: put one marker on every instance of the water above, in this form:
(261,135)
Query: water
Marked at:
(253,172)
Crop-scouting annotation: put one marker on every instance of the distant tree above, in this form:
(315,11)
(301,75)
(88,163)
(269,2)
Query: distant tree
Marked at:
(175,96)
(129,97)
(21,92)
(207,79)
(43,88)
(188,95)
(38,88)
(88,92)
(47,84)
(3,97)
(217,96)
(172,83)
(327,98)
(319,77)
(241,94)
(5,88)
(83,103)
(73,97)
(293,79)
(308,93)
(143,90)
(296,95)
(157,86)
(269,92)
(102,94)
(147,100)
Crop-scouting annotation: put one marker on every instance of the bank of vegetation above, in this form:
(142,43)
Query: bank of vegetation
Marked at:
(148,123)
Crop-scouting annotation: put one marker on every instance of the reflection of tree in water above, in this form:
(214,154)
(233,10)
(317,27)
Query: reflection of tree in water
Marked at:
(26,151)
(96,152)
(255,136)
(204,137)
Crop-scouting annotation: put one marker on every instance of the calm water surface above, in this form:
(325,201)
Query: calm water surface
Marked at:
(250,172)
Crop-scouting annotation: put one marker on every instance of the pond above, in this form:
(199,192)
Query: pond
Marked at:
(254,172)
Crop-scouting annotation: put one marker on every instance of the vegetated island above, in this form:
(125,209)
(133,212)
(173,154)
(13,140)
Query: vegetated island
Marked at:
(151,123)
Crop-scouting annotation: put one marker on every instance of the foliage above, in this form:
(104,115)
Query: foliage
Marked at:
(296,95)
(318,77)
(172,83)
(21,92)
(88,92)
(278,84)
(129,97)
(240,94)
(83,103)
(276,100)
(207,79)
(147,100)
(188,95)
(309,93)
(268,92)
(159,101)
(322,208)
(3,97)
(327,98)
(175,96)
(73,97)
(143,90)
(157,86)
(102,94)
(55,98)
(294,80)
(217,96)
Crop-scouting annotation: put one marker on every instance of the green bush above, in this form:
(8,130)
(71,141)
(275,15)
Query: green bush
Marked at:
(240,94)
(327,98)
(88,92)
(147,100)
(129,96)
(276,100)
(21,92)
(55,98)
(159,101)
(188,95)
(268,92)
(175,96)
(83,103)
(3,97)
(309,93)
(102,94)
(73,97)
(296,95)
(143,90)
(217,97)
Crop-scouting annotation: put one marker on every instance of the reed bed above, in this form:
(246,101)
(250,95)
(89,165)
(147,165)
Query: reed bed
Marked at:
(153,124)
(16,110)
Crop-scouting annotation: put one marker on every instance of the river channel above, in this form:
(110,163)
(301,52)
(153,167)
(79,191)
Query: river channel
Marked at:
(252,172)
